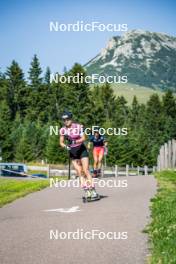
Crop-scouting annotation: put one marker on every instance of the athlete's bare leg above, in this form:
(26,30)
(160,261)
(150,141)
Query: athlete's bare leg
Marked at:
(100,157)
(79,169)
(95,157)
(85,166)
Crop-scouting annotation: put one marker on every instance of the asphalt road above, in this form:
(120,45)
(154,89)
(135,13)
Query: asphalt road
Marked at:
(26,225)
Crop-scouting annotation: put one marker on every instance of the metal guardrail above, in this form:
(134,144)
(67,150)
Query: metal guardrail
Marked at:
(113,171)
(106,172)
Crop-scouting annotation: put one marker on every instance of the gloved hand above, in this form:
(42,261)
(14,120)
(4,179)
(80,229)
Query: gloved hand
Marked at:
(67,147)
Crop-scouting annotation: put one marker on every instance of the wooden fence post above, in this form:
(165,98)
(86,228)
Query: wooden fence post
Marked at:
(162,157)
(173,153)
(159,163)
(169,154)
(165,155)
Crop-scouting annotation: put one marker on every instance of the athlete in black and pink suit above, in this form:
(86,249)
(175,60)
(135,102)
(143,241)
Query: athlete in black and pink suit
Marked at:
(75,136)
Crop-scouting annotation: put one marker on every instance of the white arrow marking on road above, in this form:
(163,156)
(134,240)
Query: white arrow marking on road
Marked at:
(73,209)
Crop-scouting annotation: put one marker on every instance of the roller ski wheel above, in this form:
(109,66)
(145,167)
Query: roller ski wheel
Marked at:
(90,199)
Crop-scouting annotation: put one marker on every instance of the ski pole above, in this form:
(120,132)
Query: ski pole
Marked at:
(69,167)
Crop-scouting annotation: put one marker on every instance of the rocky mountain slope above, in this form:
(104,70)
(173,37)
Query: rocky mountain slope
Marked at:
(147,58)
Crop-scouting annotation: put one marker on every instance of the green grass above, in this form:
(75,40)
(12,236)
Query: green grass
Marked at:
(162,229)
(11,189)
(130,90)
(34,163)
(30,172)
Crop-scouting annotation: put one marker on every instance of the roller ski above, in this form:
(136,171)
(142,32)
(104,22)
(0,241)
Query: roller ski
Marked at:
(90,195)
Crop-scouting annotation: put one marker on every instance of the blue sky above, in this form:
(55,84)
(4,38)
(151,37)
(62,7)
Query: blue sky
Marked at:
(25,28)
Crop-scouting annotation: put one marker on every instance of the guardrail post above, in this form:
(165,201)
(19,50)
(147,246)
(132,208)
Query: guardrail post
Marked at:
(102,171)
(116,171)
(127,170)
(145,170)
(138,170)
(48,172)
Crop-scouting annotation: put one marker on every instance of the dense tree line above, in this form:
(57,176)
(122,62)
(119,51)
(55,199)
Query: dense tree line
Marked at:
(29,107)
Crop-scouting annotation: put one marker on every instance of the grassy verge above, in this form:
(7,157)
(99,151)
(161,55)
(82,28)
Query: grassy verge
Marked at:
(11,189)
(30,172)
(162,229)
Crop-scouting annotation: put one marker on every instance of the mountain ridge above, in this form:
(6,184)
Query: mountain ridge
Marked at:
(147,58)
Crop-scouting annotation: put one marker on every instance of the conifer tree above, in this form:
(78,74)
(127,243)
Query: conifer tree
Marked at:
(47,76)
(16,90)
(35,73)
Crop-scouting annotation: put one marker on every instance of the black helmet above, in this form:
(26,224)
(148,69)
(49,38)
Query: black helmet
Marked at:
(96,128)
(67,115)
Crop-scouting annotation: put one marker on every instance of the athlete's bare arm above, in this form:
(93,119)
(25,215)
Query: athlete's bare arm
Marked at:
(89,145)
(105,143)
(81,140)
(62,144)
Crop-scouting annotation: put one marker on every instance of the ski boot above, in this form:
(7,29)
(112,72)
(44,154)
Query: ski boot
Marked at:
(99,173)
(91,195)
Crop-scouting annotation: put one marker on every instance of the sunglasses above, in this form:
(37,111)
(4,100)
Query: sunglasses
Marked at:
(66,119)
